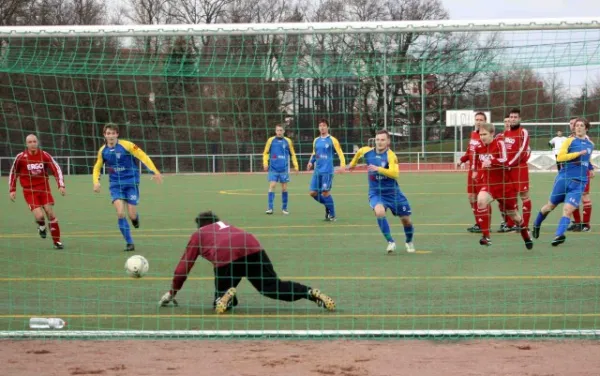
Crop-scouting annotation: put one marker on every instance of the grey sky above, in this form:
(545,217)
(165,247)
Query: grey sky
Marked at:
(481,9)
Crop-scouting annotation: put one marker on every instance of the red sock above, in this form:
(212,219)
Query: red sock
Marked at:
(526,212)
(587,213)
(483,220)
(577,216)
(54,230)
(509,221)
(474,209)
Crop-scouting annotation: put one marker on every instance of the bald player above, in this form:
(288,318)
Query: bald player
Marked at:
(31,167)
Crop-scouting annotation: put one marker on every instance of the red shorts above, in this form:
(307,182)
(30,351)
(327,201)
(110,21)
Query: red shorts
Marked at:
(505,194)
(519,176)
(38,197)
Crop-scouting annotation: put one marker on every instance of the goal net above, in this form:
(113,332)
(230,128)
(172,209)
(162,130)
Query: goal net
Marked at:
(202,101)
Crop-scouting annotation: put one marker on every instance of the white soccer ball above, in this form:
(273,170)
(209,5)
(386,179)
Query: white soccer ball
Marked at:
(137,266)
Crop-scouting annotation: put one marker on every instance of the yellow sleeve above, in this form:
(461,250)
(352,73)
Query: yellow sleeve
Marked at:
(292,153)
(392,171)
(359,154)
(563,154)
(98,167)
(312,156)
(338,150)
(266,152)
(139,154)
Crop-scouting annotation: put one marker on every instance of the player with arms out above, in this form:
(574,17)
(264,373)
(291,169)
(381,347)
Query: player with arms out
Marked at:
(384,191)
(322,160)
(236,254)
(491,158)
(472,189)
(31,167)
(120,158)
(279,150)
(516,140)
(578,225)
(569,184)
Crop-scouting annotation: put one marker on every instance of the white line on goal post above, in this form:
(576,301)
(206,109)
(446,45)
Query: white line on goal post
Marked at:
(316,334)
(302,28)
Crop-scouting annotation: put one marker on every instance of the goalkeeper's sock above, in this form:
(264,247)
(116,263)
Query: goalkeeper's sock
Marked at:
(328,202)
(125,230)
(539,219)
(526,212)
(587,213)
(284,200)
(577,216)
(409,232)
(54,230)
(563,223)
(384,226)
(271,199)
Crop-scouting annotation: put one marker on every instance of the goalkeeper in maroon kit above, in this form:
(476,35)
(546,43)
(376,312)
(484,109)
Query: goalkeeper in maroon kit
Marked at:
(236,254)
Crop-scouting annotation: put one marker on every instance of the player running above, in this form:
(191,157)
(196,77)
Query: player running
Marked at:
(119,157)
(384,191)
(279,150)
(491,158)
(569,184)
(31,167)
(236,254)
(322,160)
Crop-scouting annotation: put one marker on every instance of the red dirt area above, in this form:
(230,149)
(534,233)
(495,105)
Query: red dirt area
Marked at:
(302,357)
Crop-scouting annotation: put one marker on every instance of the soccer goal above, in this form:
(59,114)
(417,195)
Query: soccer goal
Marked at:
(202,101)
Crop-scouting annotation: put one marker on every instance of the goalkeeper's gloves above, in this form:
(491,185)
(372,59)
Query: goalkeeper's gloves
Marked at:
(167,298)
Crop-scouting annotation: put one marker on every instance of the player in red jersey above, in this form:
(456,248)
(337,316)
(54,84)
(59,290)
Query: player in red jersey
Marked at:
(507,224)
(31,167)
(490,174)
(578,225)
(236,254)
(472,188)
(516,140)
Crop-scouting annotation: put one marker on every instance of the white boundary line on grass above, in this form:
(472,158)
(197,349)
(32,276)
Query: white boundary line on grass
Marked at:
(331,334)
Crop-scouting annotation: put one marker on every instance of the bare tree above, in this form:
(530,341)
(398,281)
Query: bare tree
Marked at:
(587,104)
(12,12)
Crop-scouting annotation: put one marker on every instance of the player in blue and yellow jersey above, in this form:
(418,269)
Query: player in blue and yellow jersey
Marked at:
(384,191)
(279,150)
(322,160)
(119,157)
(570,182)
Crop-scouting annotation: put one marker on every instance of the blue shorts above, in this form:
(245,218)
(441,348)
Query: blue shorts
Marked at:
(321,182)
(567,191)
(397,203)
(129,193)
(278,177)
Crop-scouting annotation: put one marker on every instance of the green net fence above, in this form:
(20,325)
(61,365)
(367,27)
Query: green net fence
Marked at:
(202,101)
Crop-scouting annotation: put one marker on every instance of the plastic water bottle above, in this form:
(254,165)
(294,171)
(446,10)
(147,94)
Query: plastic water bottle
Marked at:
(46,323)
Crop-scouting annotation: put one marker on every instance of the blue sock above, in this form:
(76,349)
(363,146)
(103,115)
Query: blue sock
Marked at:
(409,231)
(284,200)
(318,198)
(124,227)
(328,202)
(271,199)
(539,219)
(384,226)
(562,226)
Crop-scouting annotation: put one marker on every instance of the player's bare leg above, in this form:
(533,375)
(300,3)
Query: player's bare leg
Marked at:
(40,219)
(409,232)
(284,199)
(518,220)
(54,226)
(483,216)
(124,224)
(271,197)
(133,215)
